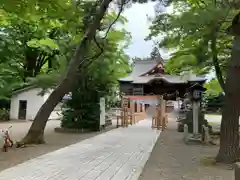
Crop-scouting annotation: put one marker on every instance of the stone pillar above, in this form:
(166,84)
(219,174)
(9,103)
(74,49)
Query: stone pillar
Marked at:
(206,134)
(185,130)
(196,106)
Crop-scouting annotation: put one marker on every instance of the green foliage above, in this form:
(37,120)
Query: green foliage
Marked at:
(38,38)
(4,114)
(214,102)
(213,96)
(155,54)
(213,88)
(190,32)
(100,79)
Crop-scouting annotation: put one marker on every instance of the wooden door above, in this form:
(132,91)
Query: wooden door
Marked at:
(22,109)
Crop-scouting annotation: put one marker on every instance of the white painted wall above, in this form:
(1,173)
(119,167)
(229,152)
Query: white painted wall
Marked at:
(34,102)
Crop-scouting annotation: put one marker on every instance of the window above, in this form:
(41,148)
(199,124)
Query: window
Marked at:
(141,107)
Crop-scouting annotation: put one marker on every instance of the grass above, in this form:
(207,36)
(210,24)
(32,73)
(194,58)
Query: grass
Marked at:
(208,161)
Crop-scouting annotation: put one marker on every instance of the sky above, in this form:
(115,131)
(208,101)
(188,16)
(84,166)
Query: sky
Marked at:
(138,25)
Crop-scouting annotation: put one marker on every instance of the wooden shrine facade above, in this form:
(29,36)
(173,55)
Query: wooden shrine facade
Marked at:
(149,78)
(134,109)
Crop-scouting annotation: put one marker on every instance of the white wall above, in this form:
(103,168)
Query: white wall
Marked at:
(34,102)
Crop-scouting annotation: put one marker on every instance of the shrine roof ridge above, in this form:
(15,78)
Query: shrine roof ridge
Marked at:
(165,77)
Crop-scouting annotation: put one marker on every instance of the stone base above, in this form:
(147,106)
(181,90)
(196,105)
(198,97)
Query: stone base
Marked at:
(66,130)
(193,139)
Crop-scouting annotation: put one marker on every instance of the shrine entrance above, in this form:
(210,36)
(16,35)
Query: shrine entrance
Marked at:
(137,108)
(149,77)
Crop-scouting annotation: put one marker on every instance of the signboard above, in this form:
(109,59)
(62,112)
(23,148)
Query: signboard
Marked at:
(125,102)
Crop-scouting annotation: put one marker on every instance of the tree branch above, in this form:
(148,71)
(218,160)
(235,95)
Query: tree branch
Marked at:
(91,59)
(118,15)
(215,59)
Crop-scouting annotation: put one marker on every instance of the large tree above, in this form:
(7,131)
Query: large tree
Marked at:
(229,138)
(100,79)
(62,13)
(198,43)
(197,33)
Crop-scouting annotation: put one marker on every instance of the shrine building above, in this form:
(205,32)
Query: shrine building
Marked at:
(148,78)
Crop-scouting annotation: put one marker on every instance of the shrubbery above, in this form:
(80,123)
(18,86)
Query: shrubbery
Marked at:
(4,114)
(82,111)
(214,103)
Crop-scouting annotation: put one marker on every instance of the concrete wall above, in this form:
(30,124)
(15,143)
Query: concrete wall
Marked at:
(34,102)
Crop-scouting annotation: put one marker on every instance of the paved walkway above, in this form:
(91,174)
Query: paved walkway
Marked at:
(119,154)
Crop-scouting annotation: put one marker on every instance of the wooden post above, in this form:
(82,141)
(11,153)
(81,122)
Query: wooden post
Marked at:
(130,117)
(162,113)
(159,117)
(117,121)
(126,117)
(122,117)
(133,118)
(155,118)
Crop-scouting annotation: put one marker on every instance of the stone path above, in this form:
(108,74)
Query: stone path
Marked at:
(119,154)
(171,159)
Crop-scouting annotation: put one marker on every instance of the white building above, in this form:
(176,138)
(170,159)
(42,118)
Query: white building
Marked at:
(26,102)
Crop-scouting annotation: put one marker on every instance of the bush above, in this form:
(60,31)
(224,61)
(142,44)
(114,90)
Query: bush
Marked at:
(73,119)
(82,110)
(214,102)
(4,114)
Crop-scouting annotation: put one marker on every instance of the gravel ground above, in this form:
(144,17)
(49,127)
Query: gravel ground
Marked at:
(54,141)
(171,159)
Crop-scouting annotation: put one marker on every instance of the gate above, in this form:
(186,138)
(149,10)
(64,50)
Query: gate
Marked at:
(136,108)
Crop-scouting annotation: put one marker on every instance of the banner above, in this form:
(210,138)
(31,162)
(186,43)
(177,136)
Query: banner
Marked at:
(151,100)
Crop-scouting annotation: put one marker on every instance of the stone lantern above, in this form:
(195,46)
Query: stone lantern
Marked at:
(196,91)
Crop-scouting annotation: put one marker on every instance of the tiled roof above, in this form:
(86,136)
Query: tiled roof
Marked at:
(140,67)
(168,78)
(143,66)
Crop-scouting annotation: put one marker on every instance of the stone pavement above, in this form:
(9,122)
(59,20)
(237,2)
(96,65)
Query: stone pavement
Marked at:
(119,154)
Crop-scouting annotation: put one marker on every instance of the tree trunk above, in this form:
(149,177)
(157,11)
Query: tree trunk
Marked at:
(229,138)
(31,61)
(36,131)
(215,59)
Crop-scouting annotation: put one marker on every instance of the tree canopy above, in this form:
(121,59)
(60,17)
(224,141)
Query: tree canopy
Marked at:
(195,32)
(37,42)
